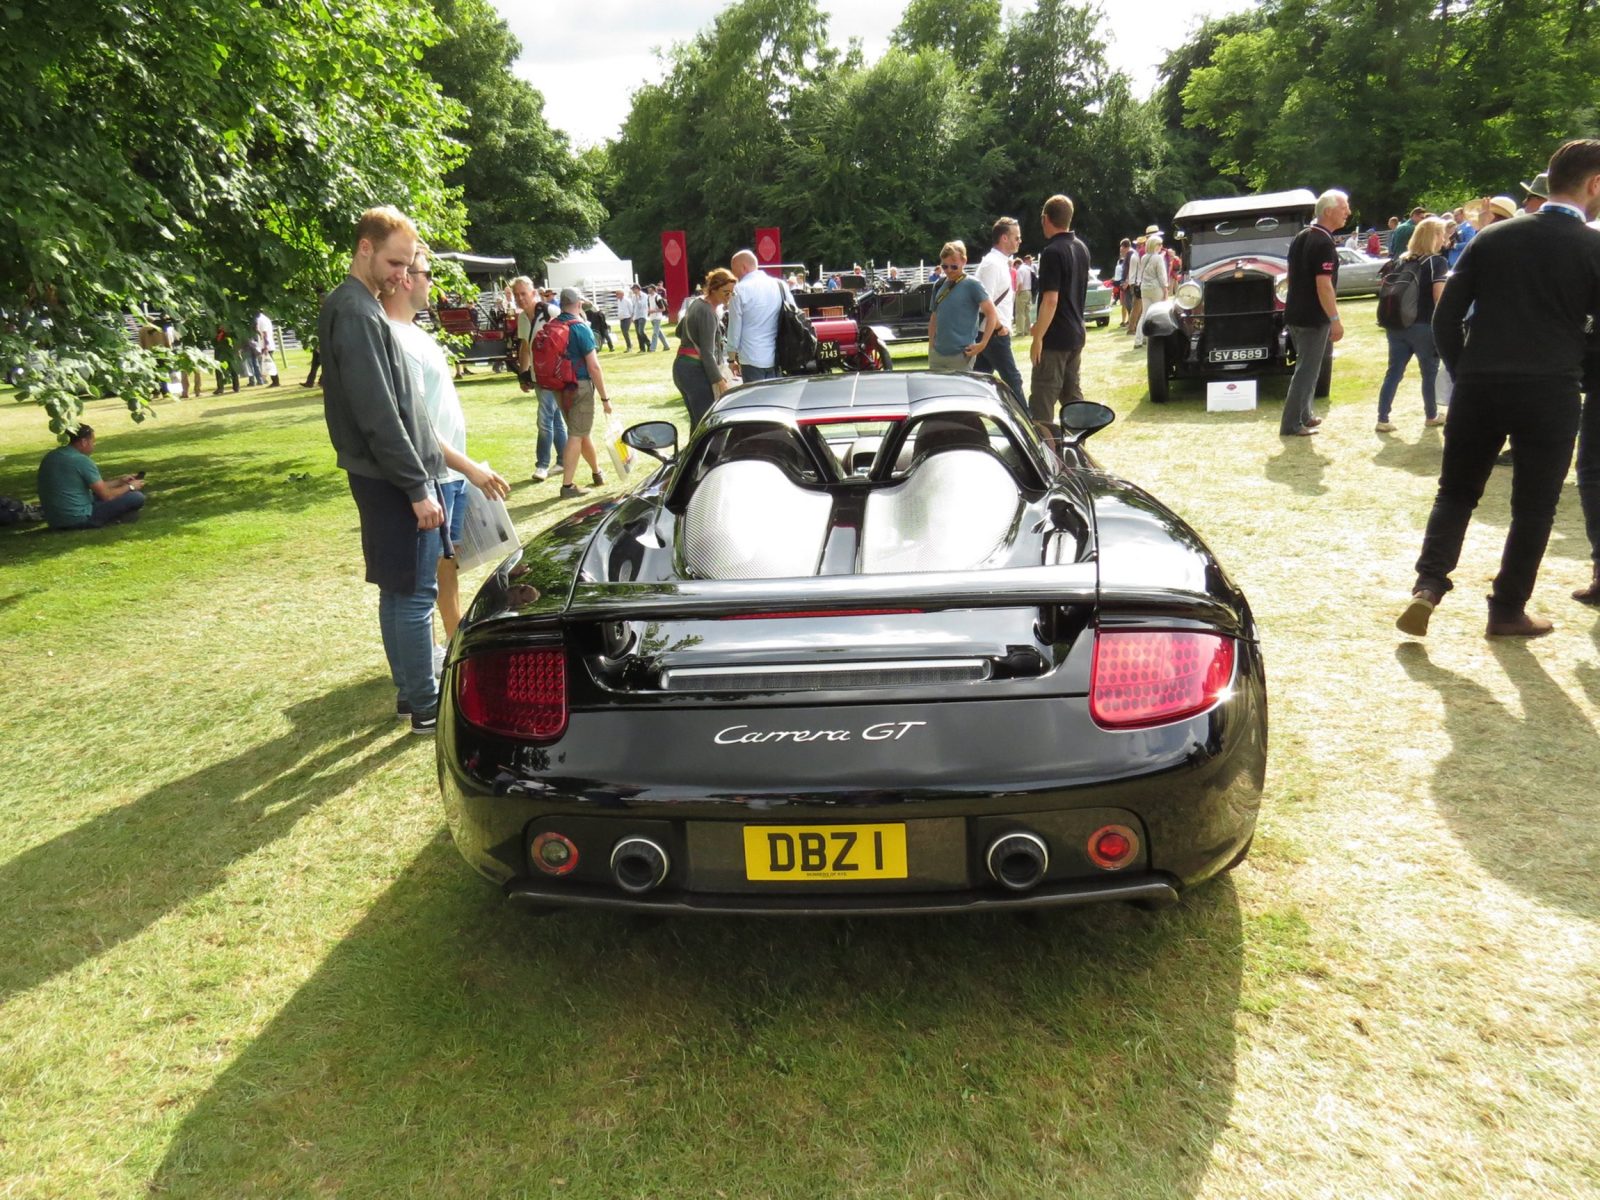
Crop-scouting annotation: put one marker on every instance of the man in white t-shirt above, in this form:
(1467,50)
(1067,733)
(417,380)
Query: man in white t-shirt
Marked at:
(994,272)
(625,318)
(264,331)
(431,376)
(1025,280)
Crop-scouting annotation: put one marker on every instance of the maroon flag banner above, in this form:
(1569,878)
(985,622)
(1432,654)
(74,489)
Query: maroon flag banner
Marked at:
(675,270)
(769,249)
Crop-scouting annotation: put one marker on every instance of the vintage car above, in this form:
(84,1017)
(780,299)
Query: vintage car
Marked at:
(902,311)
(482,315)
(1225,319)
(866,644)
(844,341)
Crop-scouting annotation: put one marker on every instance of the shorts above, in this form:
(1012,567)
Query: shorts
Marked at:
(453,495)
(580,416)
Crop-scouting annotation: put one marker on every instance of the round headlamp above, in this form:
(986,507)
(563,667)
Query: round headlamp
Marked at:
(1281,289)
(1189,294)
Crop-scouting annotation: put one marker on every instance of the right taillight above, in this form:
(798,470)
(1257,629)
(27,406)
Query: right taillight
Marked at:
(515,693)
(1150,677)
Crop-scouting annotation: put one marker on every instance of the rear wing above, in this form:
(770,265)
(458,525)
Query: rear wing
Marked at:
(1066,584)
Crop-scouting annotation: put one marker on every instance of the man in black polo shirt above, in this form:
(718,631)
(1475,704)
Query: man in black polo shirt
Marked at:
(1312,309)
(1058,332)
(1535,281)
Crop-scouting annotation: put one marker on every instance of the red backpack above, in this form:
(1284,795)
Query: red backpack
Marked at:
(552,369)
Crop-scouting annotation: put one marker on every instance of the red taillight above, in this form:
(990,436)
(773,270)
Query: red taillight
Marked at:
(517,693)
(1150,677)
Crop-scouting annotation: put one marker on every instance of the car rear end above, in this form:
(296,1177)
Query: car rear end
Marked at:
(998,739)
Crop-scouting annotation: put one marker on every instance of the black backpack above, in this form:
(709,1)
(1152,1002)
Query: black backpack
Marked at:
(797,340)
(1400,287)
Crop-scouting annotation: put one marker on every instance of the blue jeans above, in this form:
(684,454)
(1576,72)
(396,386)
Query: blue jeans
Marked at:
(406,622)
(997,359)
(751,373)
(1403,343)
(656,335)
(1311,345)
(552,431)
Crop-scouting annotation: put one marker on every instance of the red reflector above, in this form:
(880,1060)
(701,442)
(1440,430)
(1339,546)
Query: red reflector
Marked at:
(1150,677)
(516,693)
(850,418)
(820,612)
(1113,846)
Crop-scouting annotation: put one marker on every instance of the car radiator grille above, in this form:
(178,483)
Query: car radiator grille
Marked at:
(812,678)
(1240,312)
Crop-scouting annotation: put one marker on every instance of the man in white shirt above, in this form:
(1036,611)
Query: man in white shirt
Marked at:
(264,330)
(753,319)
(625,318)
(1025,278)
(431,377)
(994,272)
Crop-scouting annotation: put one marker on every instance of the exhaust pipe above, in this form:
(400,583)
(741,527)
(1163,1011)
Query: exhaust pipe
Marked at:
(1018,861)
(638,865)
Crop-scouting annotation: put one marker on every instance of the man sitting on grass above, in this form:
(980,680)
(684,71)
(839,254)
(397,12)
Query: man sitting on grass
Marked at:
(74,496)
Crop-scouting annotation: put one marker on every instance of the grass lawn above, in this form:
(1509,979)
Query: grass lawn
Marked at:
(239,956)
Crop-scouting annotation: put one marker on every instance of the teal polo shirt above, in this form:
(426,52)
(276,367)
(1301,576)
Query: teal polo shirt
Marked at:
(65,477)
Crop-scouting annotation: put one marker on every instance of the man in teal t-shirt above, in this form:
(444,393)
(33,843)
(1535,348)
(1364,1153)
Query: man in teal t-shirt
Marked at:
(74,496)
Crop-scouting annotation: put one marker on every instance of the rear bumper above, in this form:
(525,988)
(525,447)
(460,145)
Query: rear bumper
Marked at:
(1152,889)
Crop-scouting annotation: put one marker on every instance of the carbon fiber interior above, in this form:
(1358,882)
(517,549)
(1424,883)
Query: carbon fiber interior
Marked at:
(950,514)
(747,520)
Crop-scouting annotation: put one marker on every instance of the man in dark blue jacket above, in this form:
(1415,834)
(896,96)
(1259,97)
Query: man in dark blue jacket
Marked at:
(1531,284)
(389,450)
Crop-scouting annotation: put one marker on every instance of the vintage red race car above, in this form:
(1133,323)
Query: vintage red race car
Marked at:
(844,341)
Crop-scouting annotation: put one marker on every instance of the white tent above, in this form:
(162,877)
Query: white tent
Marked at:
(595,270)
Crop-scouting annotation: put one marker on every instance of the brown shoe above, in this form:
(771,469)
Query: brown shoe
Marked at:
(1522,625)
(1313,422)
(1414,620)
(1590,594)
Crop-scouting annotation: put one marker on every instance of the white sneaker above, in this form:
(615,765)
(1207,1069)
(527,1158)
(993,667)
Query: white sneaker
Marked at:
(540,474)
(438,661)
(1138,341)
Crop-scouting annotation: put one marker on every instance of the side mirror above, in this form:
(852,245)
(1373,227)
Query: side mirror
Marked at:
(1084,417)
(653,437)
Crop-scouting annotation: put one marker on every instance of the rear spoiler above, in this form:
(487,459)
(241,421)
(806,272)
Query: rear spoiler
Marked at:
(1064,584)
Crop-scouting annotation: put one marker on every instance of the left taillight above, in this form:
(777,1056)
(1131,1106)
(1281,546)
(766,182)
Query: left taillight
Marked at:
(515,693)
(1144,677)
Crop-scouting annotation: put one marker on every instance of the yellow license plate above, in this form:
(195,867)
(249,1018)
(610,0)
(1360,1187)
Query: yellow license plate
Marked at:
(789,853)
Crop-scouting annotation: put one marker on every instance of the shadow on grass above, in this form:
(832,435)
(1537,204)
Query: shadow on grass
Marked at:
(453,1046)
(295,397)
(1420,458)
(1298,466)
(187,490)
(1516,784)
(106,880)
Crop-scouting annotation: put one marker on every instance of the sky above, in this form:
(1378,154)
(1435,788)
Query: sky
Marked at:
(587,58)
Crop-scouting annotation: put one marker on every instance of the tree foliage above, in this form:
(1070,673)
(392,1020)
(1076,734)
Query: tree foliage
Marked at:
(1397,101)
(964,29)
(208,159)
(526,194)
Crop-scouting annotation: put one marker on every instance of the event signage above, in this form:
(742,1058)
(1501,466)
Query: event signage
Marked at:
(675,269)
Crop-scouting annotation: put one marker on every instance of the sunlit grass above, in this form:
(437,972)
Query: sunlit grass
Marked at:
(239,957)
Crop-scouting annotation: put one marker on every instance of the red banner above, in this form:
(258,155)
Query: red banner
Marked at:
(769,249)
(675,270)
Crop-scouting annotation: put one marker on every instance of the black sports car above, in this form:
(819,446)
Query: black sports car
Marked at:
(867,644)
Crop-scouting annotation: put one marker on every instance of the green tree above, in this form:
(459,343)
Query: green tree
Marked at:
(526,194)
(963,29)
(209,159)
(700,148)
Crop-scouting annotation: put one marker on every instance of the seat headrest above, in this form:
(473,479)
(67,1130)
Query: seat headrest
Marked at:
(951,431)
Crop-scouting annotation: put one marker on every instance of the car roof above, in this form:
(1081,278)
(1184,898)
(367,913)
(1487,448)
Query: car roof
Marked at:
(1263,202)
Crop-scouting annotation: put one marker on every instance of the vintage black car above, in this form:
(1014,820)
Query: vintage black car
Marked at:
(902,311)
(866,644)
(1225,320)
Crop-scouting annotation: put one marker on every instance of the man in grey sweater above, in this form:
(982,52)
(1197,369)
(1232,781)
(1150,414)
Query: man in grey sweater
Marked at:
(387,447)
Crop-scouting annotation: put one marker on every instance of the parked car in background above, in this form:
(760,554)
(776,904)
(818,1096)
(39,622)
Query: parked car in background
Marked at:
(1225,319)
(1358,274)
(864,645)
(1099,303)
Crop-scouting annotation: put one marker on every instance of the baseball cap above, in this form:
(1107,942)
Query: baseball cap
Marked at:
(1503,206)
(1540,186)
